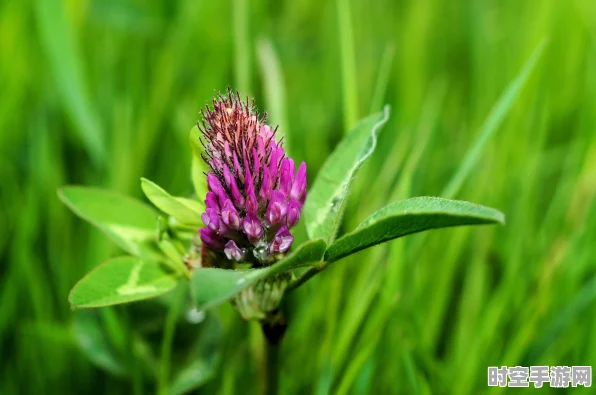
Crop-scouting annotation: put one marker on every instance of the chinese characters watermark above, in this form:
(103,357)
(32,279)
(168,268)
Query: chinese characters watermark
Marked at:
(553,376)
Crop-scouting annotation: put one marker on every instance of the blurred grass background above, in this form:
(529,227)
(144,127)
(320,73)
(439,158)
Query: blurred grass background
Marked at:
(102,92)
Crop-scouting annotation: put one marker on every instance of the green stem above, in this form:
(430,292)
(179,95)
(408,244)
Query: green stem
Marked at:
(274,328)
(272,360)
(134,359)
(163,377)
(307,275)
(137,378)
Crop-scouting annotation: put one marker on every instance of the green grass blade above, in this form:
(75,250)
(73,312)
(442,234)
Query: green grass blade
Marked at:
(491,124)
(57,40)
(275,92)
(382,83)
(348,64)
(242,45)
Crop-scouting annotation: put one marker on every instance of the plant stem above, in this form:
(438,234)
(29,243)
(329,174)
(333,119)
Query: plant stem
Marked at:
(135,360)
(274,328)
(303,278)
(271,356)
(163,377)
(307,275)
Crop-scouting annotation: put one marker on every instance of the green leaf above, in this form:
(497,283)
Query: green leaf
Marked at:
(128,222)
(199,179)
(410,216)
(121,280)
(175,257)
(94,343)
(194,375)
(200,365)
(213,286)
(199,167)
(326,199)
(185,211)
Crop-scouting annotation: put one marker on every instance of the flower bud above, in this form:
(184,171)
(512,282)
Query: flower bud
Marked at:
(293,215)
(287,176)
(253,228)
(233,252)
(277,208)
(211,239)
(230,216)
(282,241)
(298,191)
(211,220)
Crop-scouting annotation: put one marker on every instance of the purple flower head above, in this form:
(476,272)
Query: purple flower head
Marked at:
(255,193)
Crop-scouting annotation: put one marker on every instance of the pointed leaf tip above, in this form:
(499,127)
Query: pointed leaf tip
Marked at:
(326,199)
(186,211)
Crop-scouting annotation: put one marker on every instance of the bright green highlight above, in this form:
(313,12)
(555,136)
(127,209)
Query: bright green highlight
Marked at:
(122,280)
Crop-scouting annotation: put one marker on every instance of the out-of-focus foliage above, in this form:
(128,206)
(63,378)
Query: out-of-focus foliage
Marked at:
(103,93)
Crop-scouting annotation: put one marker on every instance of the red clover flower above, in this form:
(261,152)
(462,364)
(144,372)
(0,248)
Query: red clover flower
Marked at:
(255,195)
